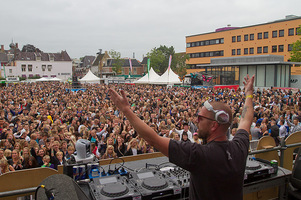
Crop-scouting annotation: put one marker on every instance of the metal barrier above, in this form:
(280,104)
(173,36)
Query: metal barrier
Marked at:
(281,148)
(278,148)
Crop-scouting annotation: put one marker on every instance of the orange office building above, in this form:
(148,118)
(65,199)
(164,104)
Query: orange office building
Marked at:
(272,38)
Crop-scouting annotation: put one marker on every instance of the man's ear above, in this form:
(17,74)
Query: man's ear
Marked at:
(214,125)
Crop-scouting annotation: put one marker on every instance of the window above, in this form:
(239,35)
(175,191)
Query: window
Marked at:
(23,68)
(238,38)
(274,49)
(251,50)
(290,47)
(49,67)
(252,36)
(233,52)
(266,35)
(259,36)
(246,51)
(246,37)
(265,49)
(43,67)
(290,31)
(233,38)
(238,52)
(10,71)
(188,45)
(281,33)
(259,49)
(30,68)
(280,48)
(134,70)
(274,34)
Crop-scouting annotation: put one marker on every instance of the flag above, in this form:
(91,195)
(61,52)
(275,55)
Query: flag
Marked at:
(148,65)
(131,65)
(169,63)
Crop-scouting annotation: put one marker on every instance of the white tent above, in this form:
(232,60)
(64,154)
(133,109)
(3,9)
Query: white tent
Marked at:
(168,78)
(148,78)
(90,78)
(55,79)
(42,79)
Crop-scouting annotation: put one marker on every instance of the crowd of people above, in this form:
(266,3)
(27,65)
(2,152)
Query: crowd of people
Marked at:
(41,122)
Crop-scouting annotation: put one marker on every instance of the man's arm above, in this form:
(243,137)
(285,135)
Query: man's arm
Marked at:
(142,128)
(248,110)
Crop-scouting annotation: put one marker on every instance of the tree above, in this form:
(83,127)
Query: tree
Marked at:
(159,58)
(117,62)
(180,64)
(296,50)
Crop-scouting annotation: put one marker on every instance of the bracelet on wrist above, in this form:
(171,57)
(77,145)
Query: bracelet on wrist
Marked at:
(249,96)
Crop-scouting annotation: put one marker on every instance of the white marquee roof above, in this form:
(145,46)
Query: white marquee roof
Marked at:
(90,77)
(148,78)
(168,78)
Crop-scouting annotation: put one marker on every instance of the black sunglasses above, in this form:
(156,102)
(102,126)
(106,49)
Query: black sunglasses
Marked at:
(201,116)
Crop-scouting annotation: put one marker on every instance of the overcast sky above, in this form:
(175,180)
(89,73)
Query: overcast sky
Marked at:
(81,27)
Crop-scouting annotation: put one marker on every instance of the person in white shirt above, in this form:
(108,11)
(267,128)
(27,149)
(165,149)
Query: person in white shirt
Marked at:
(186,129)
(282,129)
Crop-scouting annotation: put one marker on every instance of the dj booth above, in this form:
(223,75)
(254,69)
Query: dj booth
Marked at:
(157,178)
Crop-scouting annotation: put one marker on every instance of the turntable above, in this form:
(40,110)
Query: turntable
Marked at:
(113,187)
(155,185)
(256,170)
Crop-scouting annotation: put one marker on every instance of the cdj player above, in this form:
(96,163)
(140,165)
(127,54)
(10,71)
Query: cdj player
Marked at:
(257,169)
(113,187)
(146,184)
(153,184)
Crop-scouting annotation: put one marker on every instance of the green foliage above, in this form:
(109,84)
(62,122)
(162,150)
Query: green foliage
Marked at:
(118,62)
(159,58)
(34,77)
(296,51)
(180,61)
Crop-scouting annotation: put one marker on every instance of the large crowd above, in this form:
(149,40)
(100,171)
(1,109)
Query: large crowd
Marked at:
(41,122)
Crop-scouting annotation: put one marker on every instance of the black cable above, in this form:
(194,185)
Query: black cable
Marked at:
(48,193)
(36,192)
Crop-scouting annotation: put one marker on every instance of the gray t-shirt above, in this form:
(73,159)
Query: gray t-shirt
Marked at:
(216,169)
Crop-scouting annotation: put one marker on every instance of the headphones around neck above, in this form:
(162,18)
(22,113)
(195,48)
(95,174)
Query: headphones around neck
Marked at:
(220,115)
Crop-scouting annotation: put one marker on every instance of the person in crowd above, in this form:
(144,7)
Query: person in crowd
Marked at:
(120,147)
(185,137)
(5,167)
(214,120)
(132,148)
(15,161)
(282,129)
(255,132)
(186,129)
(295,126)
(110,153)
(196,138)
(274,131)
(46,162)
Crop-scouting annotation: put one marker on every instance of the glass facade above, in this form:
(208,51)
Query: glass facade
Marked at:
(272,75)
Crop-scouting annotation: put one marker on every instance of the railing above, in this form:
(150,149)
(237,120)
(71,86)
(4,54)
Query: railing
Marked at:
(36,176)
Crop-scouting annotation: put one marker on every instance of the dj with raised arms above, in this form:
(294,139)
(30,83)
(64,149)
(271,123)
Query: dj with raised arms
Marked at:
(216,168)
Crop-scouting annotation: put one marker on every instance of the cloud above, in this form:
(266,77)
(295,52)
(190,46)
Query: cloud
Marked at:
(83,26)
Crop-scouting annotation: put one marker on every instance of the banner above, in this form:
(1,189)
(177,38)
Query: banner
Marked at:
(131,66)
(148,65)
(169,63)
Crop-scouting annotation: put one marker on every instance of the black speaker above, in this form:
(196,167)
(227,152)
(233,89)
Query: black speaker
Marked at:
(75,82)
(296,173)
(60,186)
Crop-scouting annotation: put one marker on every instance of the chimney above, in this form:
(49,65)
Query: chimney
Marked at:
(134,55)
(17,46)
(100,51)
(2,48)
